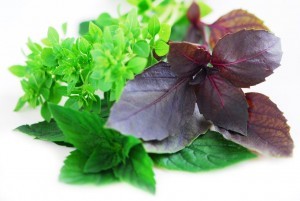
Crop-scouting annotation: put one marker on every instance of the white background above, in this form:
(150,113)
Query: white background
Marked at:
(29,168)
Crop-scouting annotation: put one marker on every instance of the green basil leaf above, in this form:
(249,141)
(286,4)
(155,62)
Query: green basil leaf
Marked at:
(141,48)
(161,48)
(18,70)
(153,26)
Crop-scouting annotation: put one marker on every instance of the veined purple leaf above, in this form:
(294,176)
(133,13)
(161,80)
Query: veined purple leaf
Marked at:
(154,105)
(233,22)
(187,58)
(193,127)
(222,103)
(247,57)
(268,132)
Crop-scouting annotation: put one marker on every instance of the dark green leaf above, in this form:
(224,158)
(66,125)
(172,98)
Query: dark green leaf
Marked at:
(137,170)
(74,102)
(102,158)
(208,152)
(82,129)
(84,28)
(72,171)
(47,131)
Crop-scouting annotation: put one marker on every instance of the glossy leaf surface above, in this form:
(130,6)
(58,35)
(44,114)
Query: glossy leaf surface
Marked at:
(246,58)
(153,105)
(232,22)
(222,103)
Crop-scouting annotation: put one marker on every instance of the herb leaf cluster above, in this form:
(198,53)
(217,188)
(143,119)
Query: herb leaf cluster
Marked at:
(172,93)
(113,51)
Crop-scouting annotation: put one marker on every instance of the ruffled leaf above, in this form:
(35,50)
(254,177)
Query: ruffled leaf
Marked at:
(246,58)
(268,132)
(233,22)
(153,105)
(222,103)
(187,58)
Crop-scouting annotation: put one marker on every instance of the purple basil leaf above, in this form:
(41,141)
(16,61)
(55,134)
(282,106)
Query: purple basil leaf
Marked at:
(187,58)
(154,105)
(268,132)
(232,22)
(193,127)
(193,14)
(194,35)
(222,103)
(247,57)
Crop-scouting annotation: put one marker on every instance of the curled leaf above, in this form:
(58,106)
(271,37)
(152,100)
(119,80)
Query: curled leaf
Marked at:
(268,132)
(247,57)
(222,103)
(194,126)
(153,105)
(187,58)
(233,22)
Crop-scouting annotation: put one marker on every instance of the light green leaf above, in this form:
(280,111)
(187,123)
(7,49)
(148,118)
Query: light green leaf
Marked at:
(72,171)
(161,48)
(210,151)
(105,20)
(98,83)
(53,36)
(95,31)
(18,70)
(165,32)
(64,28)
(48,57)
(137,169)
(21,103)
(153,26)
(137,64)
(132,23)
(83,45)
(141,48)
(205,9)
